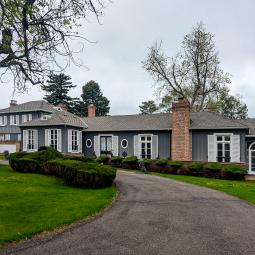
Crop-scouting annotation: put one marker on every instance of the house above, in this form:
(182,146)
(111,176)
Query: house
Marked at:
(13,116)
(182,135)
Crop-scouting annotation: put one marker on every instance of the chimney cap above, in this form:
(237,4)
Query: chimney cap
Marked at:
(13,102)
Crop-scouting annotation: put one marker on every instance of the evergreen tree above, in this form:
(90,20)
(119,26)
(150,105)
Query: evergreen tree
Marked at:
(57,88)
(92,94)
(148,107)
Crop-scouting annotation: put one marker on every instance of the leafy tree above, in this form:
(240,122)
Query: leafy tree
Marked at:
(57,89)
(148,107)
(166,103)
(194,73)
(36,36)
(92,94)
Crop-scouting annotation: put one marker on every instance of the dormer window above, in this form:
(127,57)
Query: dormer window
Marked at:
(45,117)
(57,108)
(14,120)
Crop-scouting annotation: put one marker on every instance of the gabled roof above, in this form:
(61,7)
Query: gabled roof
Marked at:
(57,118)
(160,121)
(39,105)
(251,125)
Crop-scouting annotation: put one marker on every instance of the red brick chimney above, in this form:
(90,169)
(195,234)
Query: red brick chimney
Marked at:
(63,107)
(13,103)
(91,111)
(181,135)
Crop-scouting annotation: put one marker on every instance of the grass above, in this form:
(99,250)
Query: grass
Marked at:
(242,189)
(2,156)
(32,203)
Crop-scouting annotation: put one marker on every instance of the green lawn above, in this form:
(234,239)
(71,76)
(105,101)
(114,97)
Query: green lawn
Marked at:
(32,203)
(2,156)
(242,189)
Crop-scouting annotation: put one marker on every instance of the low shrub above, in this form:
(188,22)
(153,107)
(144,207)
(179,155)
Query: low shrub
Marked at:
(130,162)
(104,159)
(235,171)
(79,158)
(116,161)
(214,166)
(42,148)
(161,162)
(24,165)
(175,163)
(196,167)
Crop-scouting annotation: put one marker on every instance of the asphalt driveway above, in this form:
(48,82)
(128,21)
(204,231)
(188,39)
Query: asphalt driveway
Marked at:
(157,216)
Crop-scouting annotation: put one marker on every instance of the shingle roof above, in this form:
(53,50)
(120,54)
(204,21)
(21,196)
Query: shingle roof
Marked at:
(57,118)
(250,123)
(159,121)
(39,105)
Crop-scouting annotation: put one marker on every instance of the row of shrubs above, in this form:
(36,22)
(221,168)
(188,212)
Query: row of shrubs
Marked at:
(76,171)
(211,170)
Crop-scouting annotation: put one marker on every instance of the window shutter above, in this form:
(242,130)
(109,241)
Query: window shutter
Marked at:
(5,120)
(36,139)
(97,145)
(7,137)
(17,119)
(25,140)
(115,145)
(235,148)
(80,141)
(11,119)
(59,140)
(154,146)
(2,120)
(24,118)
(211,149)
(136,146)
(30,117)
(69,140)
(47,137)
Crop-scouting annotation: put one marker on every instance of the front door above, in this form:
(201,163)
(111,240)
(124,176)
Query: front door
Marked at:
(252,159)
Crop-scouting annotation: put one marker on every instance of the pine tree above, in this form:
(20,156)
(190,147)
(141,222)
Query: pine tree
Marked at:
(92,94)
(57,88)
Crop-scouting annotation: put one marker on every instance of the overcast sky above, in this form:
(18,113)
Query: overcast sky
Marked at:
(129,27)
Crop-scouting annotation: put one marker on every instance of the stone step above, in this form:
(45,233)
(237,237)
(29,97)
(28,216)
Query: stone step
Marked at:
(250,177)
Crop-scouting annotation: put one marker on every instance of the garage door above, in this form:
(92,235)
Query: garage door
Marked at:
(7,147)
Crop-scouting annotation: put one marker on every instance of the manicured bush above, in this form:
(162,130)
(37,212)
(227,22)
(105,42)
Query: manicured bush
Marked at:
(235,171)
(195,167)
(42,148)
(161,162)
(103,159)
(214,166)
(116,161)
(175,163)
(24,165)
(79,158)
(130,162)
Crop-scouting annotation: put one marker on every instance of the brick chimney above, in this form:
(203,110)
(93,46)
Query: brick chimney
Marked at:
(13,103)
(63,107)
(181,135)
(91,111)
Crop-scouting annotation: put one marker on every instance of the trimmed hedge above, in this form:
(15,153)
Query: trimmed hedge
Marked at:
(104,159)
(130,162)
(161,162)
(196,167)
(76,171)
(235,171)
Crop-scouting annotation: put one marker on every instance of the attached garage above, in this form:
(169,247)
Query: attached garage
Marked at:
(10,147)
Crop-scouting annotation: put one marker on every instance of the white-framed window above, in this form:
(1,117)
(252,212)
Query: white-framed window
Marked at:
(223,143)
(124,143)
(14,120)
(1,137)
(105,144)
(74,141)
(30,140)
(3,120)
(146,146)
(88,143)
(27,117)
(53,138)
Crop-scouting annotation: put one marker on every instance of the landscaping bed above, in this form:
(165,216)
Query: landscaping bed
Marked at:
(33,203)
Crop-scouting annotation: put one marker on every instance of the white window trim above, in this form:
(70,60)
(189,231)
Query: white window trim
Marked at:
(250,171)
(87,144)
(70,141)
(35,142)
(216,142)
(124,147)
(140,144)
(110,135)
(3,121)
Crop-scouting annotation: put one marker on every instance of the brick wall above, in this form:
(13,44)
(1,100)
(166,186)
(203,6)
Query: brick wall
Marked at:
(181,134)
(91,111)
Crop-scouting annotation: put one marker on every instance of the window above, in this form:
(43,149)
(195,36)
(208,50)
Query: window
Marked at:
(14,120)
(223,148)
(1,137)
(105,144)
(7,137)
(54,138)
(146,145)
(124,143)
(75,140)
(26,117)
(31,140)
(19,137)
(88,143)
(3,120)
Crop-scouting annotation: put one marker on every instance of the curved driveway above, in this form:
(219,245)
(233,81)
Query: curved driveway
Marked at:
(157,216)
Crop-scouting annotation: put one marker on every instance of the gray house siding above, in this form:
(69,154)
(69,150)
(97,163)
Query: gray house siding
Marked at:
(200,143)
(41,135)
(13,129)
(164,141)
